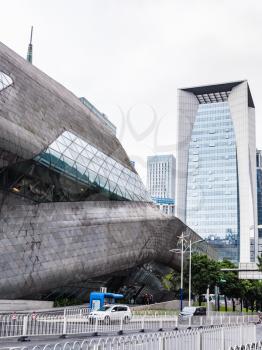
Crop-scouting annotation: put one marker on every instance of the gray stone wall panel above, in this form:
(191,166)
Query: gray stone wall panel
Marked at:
(36,109)
(49,245)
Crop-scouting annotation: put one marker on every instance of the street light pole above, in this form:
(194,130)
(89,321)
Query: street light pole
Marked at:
(182,251)
(208,301)
(182,272)
(190,272)
(190,268)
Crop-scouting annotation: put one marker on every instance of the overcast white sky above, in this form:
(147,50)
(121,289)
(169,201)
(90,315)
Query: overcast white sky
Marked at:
(128,57)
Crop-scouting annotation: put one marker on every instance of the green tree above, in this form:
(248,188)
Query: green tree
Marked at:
(171,281)
(205,272)
(230,285)
(258,295)
(259,264)
(246,286)
(252,295)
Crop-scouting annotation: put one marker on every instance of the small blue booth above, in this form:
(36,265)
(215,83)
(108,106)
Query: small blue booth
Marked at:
(99,299)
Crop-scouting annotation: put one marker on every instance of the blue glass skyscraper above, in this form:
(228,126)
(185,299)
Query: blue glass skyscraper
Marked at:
(259,193)
(216,171)
(212,205)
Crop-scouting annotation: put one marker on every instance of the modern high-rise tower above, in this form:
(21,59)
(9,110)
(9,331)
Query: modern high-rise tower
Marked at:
(161,181)
(161,176)
(259,209)
(259,199)
(216,190)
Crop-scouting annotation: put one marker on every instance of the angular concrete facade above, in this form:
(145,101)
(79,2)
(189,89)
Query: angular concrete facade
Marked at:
(72,207)
(48,245)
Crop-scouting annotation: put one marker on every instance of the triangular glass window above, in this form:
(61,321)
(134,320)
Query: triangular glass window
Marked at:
(5,81)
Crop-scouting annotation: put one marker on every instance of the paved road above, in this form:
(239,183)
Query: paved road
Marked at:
(259,332)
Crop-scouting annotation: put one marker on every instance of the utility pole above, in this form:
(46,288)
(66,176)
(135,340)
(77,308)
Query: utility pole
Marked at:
(181,250)
(30,48)
(190,268)
(190,273)
(208,301)
(182,271)
(217,298)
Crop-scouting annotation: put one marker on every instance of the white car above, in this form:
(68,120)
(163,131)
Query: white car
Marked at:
(190,311)
(109,313)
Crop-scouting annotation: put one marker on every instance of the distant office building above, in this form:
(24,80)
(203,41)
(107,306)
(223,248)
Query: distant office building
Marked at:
(216,166)
(161,181)
(250,271)
(165,205)
(161,176)
(259,208)
(100,115)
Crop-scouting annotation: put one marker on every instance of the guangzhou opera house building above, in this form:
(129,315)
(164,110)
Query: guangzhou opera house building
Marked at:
(74,214)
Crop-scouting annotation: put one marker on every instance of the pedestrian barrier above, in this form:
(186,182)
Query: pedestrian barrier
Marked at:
(84,310)
(24,326)
(57,311)
(210,338)
(251,346)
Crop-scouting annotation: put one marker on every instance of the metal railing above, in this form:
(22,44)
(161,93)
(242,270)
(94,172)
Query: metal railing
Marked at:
(72,310)
(211,338)
(49,325)
(85,310)
(222,319)
(250,346)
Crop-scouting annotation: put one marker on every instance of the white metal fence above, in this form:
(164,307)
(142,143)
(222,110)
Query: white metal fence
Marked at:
(85,310)
(47,325)
(65,311)
(25,326)
(211,338)
(250,346)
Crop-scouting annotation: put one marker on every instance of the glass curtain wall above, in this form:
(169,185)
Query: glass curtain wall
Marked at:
(212,186)
(82,162)
(259,200)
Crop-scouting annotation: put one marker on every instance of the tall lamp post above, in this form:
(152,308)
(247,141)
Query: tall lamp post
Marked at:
(182,272)
(182,251)
(178,250)
(190,268)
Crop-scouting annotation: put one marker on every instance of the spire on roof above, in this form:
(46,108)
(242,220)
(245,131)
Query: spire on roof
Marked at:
(30,48)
